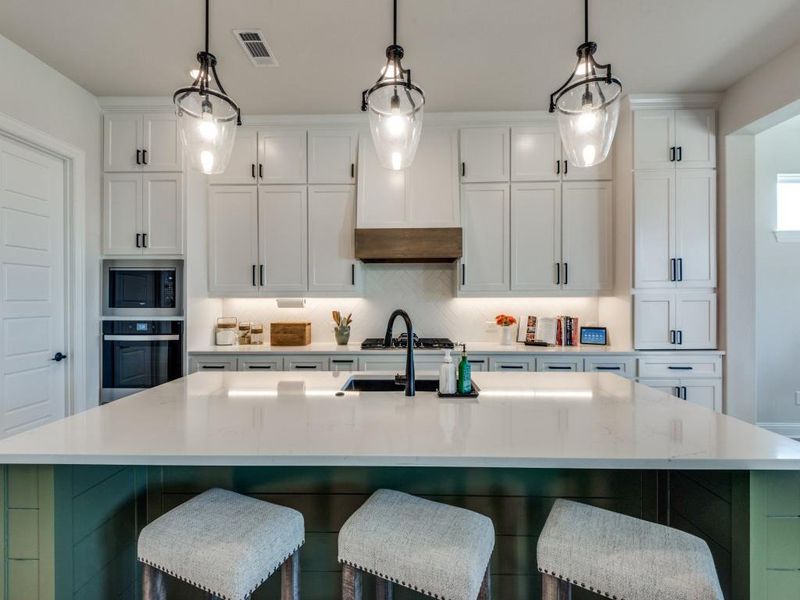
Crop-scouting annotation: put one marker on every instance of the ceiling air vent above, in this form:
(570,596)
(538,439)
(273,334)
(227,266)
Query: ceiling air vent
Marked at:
(255,47)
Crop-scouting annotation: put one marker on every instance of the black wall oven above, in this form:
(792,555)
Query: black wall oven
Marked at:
(138,355)
(133,288)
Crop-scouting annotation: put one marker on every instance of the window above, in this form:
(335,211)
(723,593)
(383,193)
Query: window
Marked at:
(788,228)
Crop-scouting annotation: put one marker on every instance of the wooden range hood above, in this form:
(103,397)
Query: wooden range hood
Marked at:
(409,245)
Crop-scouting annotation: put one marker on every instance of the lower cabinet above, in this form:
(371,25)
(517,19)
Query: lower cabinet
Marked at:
(397,363)
(624,367)
(212,363)
(344,363)
(703,392)
(552,363)
(675,321)
(511,364)
(305,363)
(259,363)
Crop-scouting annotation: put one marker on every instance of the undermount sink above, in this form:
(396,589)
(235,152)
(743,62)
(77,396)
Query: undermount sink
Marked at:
(371,384)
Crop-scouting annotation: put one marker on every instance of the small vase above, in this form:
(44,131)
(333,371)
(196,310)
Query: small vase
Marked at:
(506,335)
(342,334)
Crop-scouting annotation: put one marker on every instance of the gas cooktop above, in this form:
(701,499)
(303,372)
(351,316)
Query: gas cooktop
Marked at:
(401,341)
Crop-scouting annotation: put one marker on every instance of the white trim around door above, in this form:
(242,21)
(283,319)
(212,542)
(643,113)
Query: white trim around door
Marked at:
(75,245)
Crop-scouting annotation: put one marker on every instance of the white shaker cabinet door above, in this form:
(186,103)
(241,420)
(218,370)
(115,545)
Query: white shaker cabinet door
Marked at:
(332,155)
(431,182)
(484,154)
(161,143)
(162,213)
(282,155)
(331,227)
(695,228)
(243,165)
(696,321)
(485,222)
(653,318)
(654,232)
(122,220)
(536,153)
(586,245)
(381,200)
(703,392)
(232,241)
(122,140)
(536,236)
(653,139)
(695,139)
(282,238)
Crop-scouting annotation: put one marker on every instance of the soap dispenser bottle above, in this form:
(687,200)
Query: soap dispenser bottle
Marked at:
(464,373)
(447,374)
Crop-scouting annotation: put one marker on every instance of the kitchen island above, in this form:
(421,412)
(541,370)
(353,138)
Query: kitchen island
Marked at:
(78,491)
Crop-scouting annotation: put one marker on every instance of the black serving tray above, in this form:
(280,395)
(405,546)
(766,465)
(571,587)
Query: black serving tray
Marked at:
(473,394)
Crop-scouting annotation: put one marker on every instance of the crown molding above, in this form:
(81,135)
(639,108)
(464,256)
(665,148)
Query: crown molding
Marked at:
(656,101)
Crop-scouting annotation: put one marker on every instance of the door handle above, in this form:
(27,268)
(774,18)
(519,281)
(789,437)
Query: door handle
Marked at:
(607,368)
(566,273)
(558,368)
(138,157)
(684,392)
(511,367)
(262,367)
(671,336)
(680,337)
(463,169)
(463,274)
(680,368)
(352,170)
(144,156)
(353,274)
(217,367)
(676,391)
(672,154)
(310,367)
(672,269)
(58,357)
(253,170)
(558,273)
(261,171)
(680,269)
(566,167)
(144,238)
(261,274)
(254,275)
(680,158)
(558,167)
(138,240)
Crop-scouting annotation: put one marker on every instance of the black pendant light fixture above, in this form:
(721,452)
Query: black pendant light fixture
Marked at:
(395,107)
(587,106)
(208,117)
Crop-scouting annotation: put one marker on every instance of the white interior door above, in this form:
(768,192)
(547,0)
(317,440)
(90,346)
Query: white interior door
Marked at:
(331,244)
(31,287)
(696,228)
(535,236)
(586,236)
(653,229)
(282,235)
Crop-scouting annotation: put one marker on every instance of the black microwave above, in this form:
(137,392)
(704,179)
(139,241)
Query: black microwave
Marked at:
(133,288)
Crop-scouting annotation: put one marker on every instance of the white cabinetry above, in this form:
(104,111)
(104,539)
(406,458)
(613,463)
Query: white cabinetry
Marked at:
(424,195)
(233,240)
(331,252)
(282,238)
(332,156)
(143,214)
(684,139)
(282,155)
(512,363)
(675,320)
(243,165)
(485,221)
(586,236)
(535,237)
(134,141)
(551,363)
(484,154)
(703,392)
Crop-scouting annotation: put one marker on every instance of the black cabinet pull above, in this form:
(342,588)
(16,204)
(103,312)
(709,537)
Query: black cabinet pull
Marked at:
(566,273)
(558,368)
(144,240)
(253,170)
(261,367)
(607,368)
(679,368)
(684,392)
(680,337)
(138,240)
(254,275)
(209,367)
(558,167)
(558,273)
(676,391)
(138,157)
(512,367)
(672,269)
(566,167)
(476,362)
(463,169)
(352,170)
(340,361)
(261,170)
(680,153)
(353,274)
(671,336)
(463,274)
(305,366)
(144,156)
(672,154)
(261,274)
(680,269)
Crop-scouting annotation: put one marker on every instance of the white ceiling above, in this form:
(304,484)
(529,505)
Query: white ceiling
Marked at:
(466,54)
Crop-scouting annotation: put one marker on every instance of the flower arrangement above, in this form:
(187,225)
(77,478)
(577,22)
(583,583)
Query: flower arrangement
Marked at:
(505,320)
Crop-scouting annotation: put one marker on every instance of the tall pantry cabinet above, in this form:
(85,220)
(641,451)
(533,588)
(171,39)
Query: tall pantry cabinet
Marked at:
(675,232)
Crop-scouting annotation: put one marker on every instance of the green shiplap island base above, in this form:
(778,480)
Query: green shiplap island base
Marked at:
(70,531)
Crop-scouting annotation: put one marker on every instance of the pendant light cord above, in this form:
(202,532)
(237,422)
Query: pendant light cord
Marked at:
(586,21)
(207,2)
(394,21)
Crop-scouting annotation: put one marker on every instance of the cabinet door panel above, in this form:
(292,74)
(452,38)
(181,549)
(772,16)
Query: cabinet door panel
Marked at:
(603,171)
(161,139)
(653,136)
(695,228)
(232,240)
(695,137)
(707,393)
(242,168)
(331,155)
(331,225)
(550,364)
(653,318)
(282,235)
(381,192)
(122,137)
(586,236)
(282,155)
(696,321)
(484,154)
(162,213)
(668,386)
(485,221)
(654,199)
(535,153)
(431,182)
(535,236)
(122,197)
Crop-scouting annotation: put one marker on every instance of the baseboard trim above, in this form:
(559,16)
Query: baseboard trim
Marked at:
(791,430)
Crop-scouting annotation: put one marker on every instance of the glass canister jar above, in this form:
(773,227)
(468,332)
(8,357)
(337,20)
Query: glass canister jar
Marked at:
(244,333)
(257,333)
(226,332)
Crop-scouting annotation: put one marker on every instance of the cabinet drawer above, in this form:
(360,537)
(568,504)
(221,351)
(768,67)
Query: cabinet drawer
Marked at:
(677,366)
(624,367)
(209,363)
(512,364)
(343,363)
(250,363)
(559,364)
(305,363)
(478,363)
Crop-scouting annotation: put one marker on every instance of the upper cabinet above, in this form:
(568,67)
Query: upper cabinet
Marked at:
(484,154)
(282,155)
(332,156)
(135,141)
(332,265)
(243,166)
(683,139)
(485,217)
(424,195)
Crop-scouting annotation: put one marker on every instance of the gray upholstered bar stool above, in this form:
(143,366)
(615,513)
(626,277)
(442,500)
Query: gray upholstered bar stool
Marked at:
(225,544)
(438,550)
(622,558)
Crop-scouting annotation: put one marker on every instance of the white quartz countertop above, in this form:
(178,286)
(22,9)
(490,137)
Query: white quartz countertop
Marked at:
(472,348)
(544,420)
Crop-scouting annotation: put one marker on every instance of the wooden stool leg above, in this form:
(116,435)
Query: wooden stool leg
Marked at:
(351,583)
(290,577)
(555,589)
(485,592)
(383,589)
(153,584)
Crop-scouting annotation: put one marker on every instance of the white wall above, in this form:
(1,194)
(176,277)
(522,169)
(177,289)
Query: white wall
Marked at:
(41,97)
(777,285)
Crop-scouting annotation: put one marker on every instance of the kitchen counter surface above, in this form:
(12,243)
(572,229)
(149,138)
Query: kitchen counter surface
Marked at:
(545,420)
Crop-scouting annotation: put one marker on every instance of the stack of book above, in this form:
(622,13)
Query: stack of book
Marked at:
(550,331)
(568,333)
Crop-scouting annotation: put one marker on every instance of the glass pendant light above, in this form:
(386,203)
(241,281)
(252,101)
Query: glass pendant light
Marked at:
(208,117)
(587,106)
(395,107)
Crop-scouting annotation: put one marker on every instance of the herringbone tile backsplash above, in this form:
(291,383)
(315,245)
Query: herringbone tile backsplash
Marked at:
(426,292)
